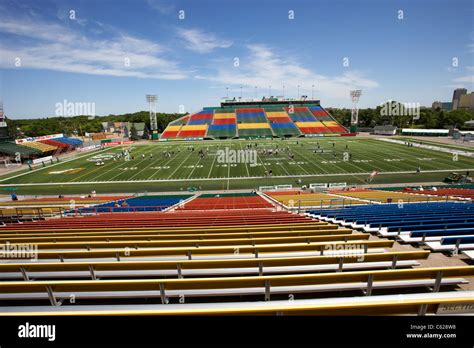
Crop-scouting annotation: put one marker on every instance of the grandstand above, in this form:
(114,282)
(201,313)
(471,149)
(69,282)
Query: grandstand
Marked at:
(256,119)
(44,148)
(34,148)
(10,149)
(444,226)
(231,253)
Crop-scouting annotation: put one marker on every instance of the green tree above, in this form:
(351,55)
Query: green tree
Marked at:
(133,133)
(146,133)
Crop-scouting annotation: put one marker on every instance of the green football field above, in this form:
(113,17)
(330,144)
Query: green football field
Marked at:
(174,166)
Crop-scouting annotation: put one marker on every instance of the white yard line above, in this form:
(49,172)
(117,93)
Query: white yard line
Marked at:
(179,167)
(129,163)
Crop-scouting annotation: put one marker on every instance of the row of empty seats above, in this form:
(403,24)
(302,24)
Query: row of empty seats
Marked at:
(227,201)
(140,203)
(443,226)
(448,192)
(34,208)
(380,196)
(305,200)
(223,261)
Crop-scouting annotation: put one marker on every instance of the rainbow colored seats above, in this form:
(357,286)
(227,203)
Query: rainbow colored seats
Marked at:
(254,130)
(193,131)
(222,131)
(257,120)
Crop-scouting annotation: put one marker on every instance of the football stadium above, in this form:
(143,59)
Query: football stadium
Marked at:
(205,220)
(266,204)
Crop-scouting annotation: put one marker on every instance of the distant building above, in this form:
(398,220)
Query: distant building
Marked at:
(122,129)
(466,102)
(445,106)
(385,130)
(458,92)
(425,132)
(139,126)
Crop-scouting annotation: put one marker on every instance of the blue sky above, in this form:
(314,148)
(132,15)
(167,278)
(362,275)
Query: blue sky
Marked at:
(114,52)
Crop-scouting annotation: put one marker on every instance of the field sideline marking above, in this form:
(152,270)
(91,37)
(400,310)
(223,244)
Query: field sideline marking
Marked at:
(52,165)
(224,178)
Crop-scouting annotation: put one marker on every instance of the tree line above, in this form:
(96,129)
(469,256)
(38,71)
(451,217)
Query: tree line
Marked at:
(79,125)
(428,118)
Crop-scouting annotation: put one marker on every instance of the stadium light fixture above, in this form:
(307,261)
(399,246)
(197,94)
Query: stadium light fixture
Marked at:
(355,95)
(152,99)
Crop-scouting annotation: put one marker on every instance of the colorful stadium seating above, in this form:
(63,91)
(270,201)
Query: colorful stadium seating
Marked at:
(387,196)
(193,131)
(442,226)
(229,260)
(11,149)
(69,141)
(62,147)
(227,201)
(141,203)
(44,148)
(254,130)
(253,122)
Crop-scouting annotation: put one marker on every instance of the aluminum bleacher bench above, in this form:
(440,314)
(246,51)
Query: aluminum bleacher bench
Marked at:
(452,244)
(18,229)
(182,268)
(206,251)
(235,286)
(469,254)
(414,304)
(30,238)
(196,242)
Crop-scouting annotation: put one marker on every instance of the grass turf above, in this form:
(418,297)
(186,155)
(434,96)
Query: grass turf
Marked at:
(184,169)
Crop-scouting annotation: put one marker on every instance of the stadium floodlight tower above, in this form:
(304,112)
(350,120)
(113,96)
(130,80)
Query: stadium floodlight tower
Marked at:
(355,95)
(151,99)
(2,117)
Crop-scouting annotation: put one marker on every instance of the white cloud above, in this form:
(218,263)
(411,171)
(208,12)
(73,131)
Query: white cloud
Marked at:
(162,6)
(465,79)
(263,68)
(202,42)
(54,46)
